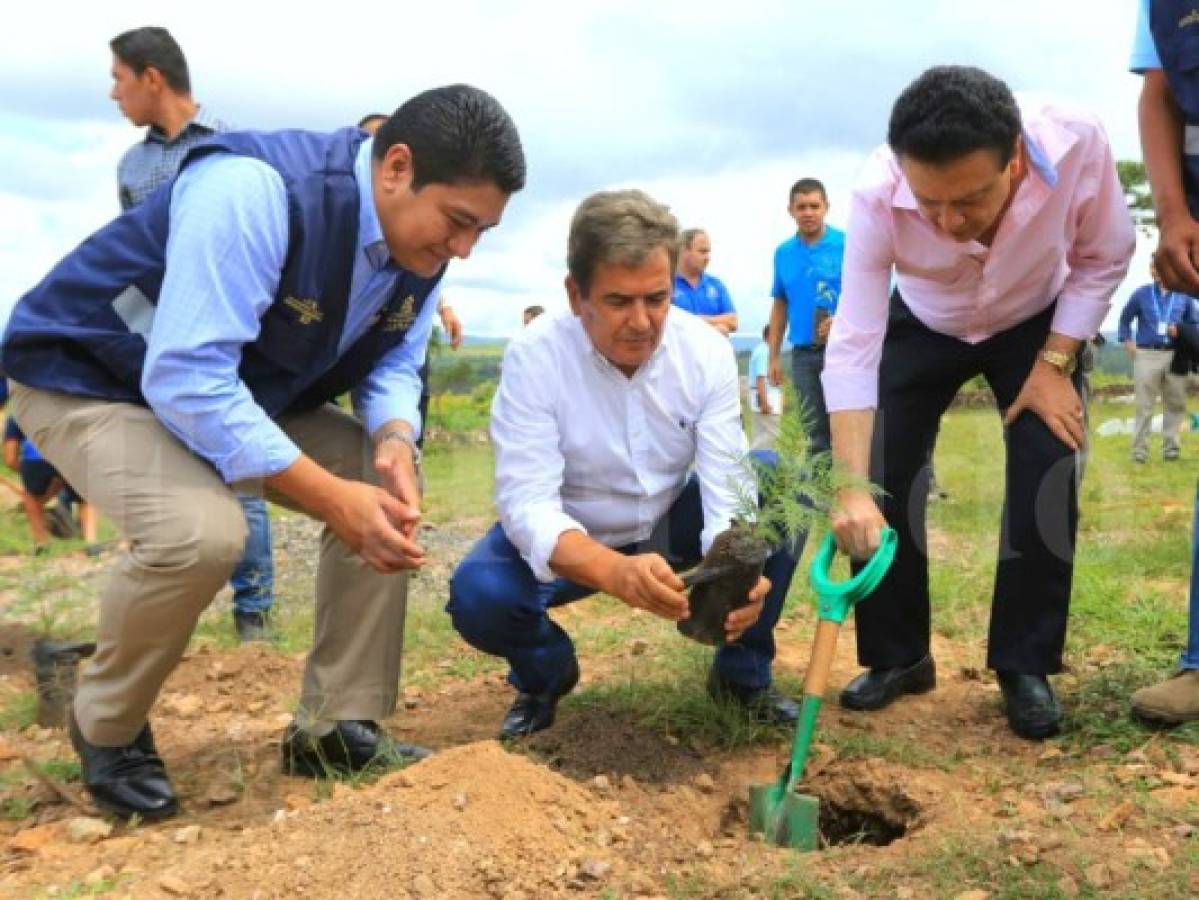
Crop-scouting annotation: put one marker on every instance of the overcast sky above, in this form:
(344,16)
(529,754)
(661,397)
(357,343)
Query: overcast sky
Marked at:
(713,109)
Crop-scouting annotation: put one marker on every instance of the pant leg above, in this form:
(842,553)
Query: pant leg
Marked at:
(806,366)
(1174,399)
(1040,518)
(1190,655)
(764,430)
(185,532)
(353,668)
(1145,392)
(253,580)
(498,606)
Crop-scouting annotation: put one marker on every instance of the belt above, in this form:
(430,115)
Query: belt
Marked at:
(1153,347)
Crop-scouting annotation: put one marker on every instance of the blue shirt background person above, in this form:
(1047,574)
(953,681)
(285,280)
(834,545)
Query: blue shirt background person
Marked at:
(695,290)
(707,298)
(1154,310)
(808,277)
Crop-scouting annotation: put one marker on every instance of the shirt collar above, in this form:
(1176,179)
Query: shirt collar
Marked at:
(370,231)
(203,121)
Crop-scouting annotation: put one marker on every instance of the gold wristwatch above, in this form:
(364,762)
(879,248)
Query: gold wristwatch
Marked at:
(1065,363)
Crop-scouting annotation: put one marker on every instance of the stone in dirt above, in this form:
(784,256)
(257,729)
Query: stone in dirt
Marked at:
(705,783)
(1118,816)
(221,794)
(174,885)
(86,830)
(188,834)
(31,840)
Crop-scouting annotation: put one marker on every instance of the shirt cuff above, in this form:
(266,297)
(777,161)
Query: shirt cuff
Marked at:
(543,541)
(265,455)
(378,411)
(1078,317)
(849,389)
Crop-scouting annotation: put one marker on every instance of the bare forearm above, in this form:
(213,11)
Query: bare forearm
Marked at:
(728,320)
(1161,143)
(778,325)
(584,560)
(852,431)
(312,487)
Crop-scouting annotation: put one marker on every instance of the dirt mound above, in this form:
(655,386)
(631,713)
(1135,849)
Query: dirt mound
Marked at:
(474,821)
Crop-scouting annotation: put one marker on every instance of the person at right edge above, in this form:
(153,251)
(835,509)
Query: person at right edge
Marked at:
(1166,53)
(1008,234)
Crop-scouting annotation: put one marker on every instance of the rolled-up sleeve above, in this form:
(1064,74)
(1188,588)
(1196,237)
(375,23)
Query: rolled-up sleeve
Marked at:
(850,377)
(1103,245)
(721,463)
(528,462)
(227,246)
(393,388)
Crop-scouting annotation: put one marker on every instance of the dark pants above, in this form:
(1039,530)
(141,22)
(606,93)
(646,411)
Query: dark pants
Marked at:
(499,606)
(920,373)
(806,365)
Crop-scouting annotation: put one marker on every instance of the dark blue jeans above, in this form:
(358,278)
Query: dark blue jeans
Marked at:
(806,365)
(253,581)
(499,606)
(1190,656)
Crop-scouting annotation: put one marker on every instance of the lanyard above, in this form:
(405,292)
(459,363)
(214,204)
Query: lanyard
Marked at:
(1162,315)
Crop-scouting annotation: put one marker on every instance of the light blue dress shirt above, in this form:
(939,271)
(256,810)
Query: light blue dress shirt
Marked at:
(1144,50)
(225,253)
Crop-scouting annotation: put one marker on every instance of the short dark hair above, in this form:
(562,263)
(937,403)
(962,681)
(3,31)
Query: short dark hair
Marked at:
(153,47)
(766,327)
(456,133)
(951,111)
(808,186)
(687,235)
(371,117)
(533,311)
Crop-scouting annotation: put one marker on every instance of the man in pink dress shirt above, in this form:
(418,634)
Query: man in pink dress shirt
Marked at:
(1006,229)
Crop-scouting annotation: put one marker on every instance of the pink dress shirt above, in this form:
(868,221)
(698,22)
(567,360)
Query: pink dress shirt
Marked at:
(1067,235)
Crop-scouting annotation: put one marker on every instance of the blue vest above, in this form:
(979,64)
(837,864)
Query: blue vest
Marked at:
(73,333)
(1175,28)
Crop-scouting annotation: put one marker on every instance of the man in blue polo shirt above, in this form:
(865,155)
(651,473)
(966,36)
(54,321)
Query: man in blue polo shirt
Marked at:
(1157,312)
(807,284)
(698,292)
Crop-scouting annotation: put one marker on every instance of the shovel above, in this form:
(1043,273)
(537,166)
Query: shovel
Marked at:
(783,817)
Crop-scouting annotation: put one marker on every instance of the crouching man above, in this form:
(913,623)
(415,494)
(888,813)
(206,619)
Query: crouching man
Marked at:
(195,342)
(619,449)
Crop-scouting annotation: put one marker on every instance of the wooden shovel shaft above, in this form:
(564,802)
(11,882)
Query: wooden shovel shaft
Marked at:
(824,646)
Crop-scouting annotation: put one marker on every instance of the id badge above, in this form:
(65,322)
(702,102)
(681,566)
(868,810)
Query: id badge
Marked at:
(1161,329)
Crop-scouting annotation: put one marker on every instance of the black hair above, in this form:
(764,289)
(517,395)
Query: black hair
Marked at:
(456,133)
(951,111)
(152,47)
(766,327)
(807,186)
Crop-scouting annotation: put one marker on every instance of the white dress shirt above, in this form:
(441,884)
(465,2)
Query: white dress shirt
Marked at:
(580,446)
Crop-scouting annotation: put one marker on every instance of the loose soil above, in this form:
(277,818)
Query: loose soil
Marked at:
(600,804)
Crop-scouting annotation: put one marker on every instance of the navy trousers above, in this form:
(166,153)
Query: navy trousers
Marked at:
(499,606)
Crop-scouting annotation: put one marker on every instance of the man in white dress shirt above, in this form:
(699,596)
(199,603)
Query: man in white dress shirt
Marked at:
(619,457)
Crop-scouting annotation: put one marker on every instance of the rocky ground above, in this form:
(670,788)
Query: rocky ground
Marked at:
(932,797)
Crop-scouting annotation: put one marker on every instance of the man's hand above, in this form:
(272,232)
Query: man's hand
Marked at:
(645,581)
(1177,254)
(375,525)
(774,371)
(1172,331)
(740,620)
(1131,348)
(822,330)
(452,325)
(857,523)
(1051,396)
(397,472)
(722,327)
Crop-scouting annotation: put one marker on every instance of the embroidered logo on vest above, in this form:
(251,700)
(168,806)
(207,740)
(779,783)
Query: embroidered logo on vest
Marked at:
(307,310)
(402,318)
(1191,18)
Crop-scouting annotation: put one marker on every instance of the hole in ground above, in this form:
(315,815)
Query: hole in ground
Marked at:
(846,825)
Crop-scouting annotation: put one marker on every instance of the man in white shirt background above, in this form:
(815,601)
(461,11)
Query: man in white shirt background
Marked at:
(600,416)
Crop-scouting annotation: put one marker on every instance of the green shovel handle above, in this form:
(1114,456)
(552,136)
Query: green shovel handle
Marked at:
(836,598)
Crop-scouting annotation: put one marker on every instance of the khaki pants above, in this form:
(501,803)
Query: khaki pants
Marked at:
(764,430)
(186,532)
(1150,377)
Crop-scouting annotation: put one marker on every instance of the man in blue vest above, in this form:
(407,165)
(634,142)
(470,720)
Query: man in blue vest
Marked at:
(1166,53)
(195,342)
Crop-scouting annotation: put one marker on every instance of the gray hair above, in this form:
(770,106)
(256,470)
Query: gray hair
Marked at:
(621,227)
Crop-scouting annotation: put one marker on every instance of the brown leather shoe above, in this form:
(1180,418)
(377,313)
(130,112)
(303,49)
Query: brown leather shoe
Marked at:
(1170,702)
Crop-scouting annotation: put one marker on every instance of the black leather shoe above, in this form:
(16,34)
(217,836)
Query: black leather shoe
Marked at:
(125,781)
(875,688)
(763,704)
(251,627)
(530,713)
(353,746)
(1032,710)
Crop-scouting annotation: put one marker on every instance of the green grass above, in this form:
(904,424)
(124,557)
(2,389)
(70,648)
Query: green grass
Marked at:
(18,710)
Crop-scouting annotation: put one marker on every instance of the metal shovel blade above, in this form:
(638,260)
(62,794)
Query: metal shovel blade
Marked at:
(784,820)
